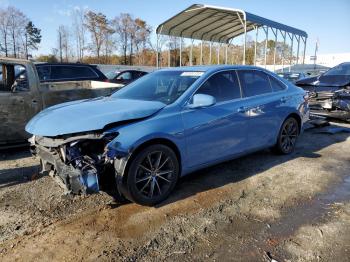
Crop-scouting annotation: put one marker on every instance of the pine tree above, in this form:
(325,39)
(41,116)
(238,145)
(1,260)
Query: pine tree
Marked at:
(33,38)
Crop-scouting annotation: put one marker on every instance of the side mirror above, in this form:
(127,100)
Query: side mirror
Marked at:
(202,100)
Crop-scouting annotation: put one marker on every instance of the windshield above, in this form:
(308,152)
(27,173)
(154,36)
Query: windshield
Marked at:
(163,86)
(342,69)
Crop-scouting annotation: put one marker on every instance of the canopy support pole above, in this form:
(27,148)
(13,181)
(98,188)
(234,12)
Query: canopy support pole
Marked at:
(191,50)
(157,52)
(169,58)
(275,51)
(244,24)
(284,44)
(218,54)
(201,56)
(304,40)
(291,52)
(180,51)
(298,40)
(266,40)
(210,46)
(245,41)
(256,40)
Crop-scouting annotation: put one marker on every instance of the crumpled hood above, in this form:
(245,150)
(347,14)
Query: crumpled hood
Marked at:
(88,115)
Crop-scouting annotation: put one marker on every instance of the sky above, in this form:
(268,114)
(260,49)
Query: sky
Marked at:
(327,21)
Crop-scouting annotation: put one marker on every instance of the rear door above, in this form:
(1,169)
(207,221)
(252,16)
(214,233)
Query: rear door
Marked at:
(263,106)
(218,131)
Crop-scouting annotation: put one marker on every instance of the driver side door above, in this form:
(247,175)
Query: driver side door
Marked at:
(17,106)
(217,132)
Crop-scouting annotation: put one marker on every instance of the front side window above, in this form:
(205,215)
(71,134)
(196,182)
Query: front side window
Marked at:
(254,82)
(13,78)
(164,86)
(223,86)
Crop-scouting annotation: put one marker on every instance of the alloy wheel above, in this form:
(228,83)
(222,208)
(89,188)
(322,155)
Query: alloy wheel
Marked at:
(155,174)
(289,135)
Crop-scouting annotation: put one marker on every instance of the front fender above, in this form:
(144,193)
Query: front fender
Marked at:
(131,136)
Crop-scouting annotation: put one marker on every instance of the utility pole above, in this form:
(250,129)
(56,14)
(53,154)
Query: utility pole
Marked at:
(315,56)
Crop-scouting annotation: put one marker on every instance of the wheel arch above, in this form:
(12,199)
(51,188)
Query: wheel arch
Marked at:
(147,143)
(297,117)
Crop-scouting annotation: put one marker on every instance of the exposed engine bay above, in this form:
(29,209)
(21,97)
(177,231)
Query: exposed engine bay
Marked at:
(331,104)
(79,163)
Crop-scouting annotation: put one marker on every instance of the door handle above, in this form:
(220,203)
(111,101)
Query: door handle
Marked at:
(243,109)
(284,99)
(34,101)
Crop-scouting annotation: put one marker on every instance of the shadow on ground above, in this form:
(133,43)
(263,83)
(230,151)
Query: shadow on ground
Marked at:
(308,146)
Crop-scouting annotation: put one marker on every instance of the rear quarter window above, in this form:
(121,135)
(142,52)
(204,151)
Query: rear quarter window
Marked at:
(44,72)
(254,82)
(276,84)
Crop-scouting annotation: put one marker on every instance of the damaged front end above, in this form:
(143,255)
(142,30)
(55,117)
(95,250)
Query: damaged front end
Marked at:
(331,104)
(79,163)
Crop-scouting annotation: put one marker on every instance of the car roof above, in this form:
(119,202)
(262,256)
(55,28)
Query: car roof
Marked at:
(65,64)
(212,68)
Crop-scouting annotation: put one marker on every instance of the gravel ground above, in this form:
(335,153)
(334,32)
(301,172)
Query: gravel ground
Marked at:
(256,208)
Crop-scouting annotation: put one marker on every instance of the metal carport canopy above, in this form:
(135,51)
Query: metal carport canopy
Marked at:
(218,24)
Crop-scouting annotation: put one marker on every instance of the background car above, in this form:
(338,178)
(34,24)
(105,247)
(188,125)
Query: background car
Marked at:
(60,72)
(125,77)
(330,92)
(292,76)
(165,125)
(112,74)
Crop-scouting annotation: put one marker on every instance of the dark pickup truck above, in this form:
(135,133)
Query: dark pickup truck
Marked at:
(22,96)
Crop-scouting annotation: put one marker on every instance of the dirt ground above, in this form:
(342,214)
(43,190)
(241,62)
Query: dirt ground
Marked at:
(257,208)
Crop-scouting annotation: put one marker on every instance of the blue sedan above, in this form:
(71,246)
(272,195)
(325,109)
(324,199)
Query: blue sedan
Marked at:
(165,125)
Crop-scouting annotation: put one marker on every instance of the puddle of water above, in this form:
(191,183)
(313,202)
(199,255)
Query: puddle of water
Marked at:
(311,211)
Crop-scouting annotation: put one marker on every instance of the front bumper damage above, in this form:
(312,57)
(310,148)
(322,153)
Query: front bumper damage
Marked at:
(78,163)
(331,104)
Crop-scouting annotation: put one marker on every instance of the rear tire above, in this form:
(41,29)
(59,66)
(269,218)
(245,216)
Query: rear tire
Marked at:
(287,136)
(152,175)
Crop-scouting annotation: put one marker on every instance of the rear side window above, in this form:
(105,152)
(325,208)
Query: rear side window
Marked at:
(72,72)
(44,72)
(276,85)
(223,86)
(125,76)
(254,82)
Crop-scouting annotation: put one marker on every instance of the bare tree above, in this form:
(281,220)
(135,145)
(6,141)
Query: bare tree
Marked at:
(17,24)
(79,31)
(63,43)
(123,25)
(97,24)
(141,38)
(4,30)
(12,31)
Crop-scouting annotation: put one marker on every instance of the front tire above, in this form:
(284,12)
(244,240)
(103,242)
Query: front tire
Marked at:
(287,136)
(152,175)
